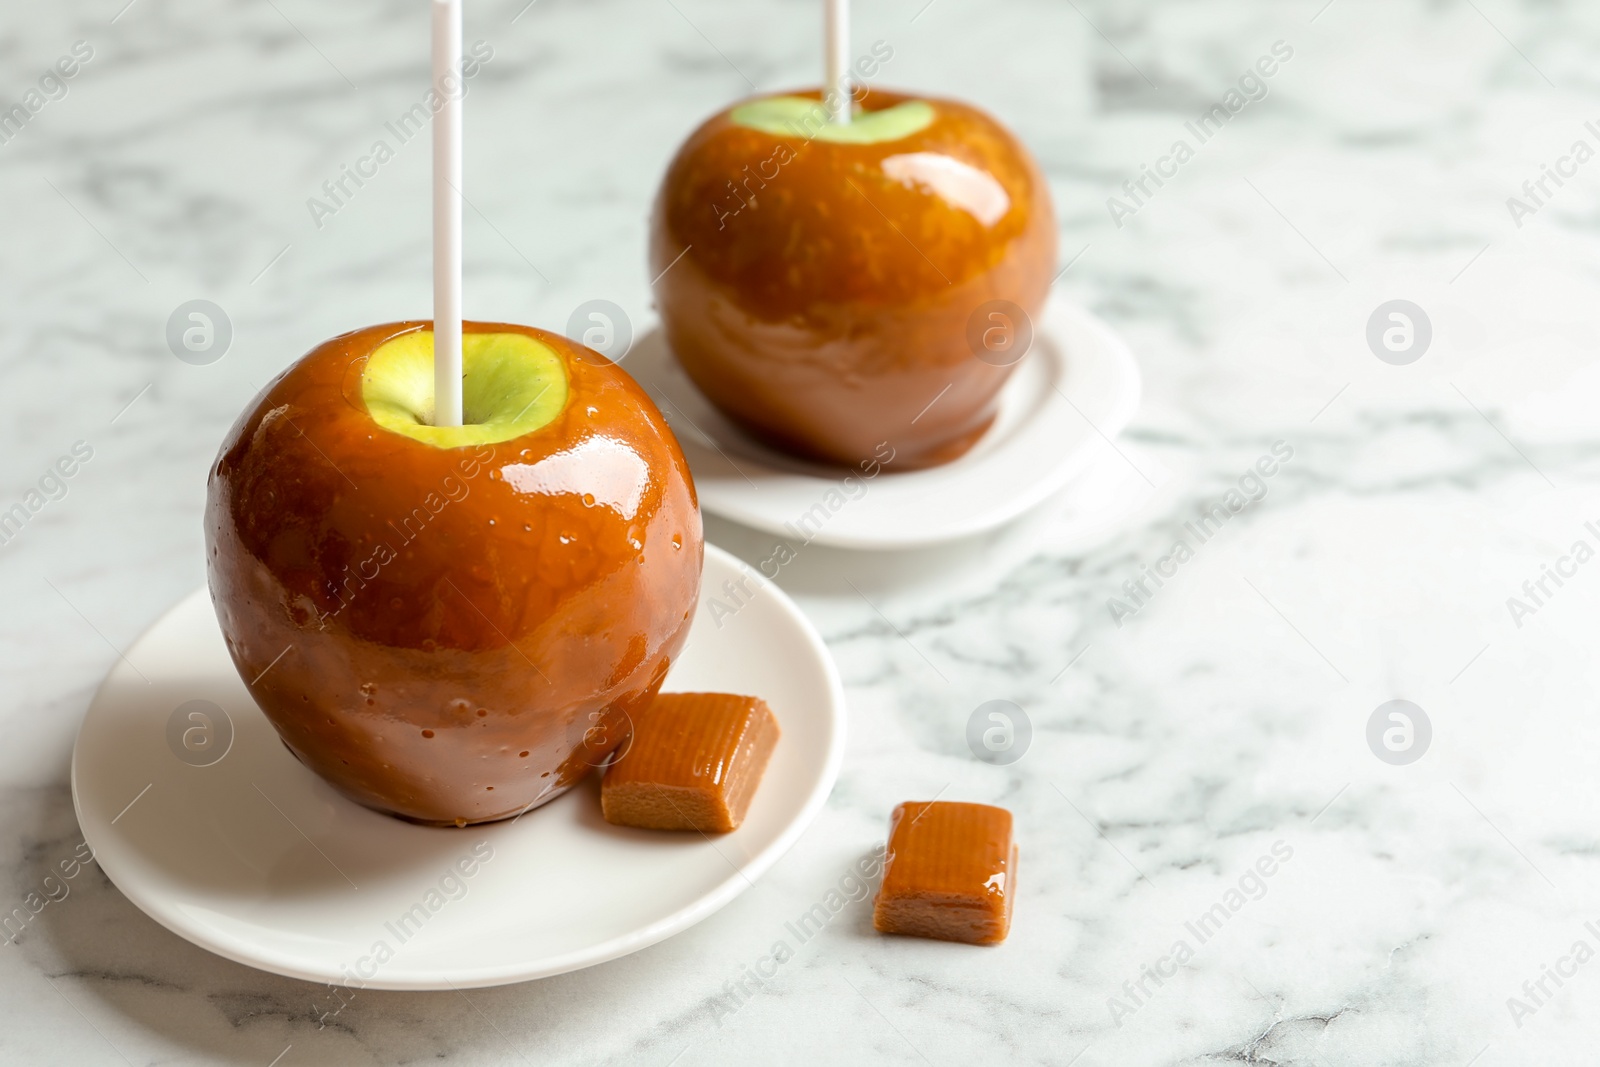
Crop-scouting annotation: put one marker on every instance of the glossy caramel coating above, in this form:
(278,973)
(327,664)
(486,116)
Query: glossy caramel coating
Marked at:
(693,763)
(824,299)
(950,873)
(451,634)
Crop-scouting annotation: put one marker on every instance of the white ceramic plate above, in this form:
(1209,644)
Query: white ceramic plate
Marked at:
(1077,389)
(258,860)
(1102,499)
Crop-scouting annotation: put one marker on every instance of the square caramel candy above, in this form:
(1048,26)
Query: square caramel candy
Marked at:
(693,764)
(950,873)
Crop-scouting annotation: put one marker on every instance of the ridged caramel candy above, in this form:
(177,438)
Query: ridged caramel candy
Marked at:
(693,763)
(950,873)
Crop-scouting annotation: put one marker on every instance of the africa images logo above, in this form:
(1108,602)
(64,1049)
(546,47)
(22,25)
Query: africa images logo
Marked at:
(1208,522)
(1252,87)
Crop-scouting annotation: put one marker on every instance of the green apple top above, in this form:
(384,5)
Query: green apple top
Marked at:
(799,116)
(511,385)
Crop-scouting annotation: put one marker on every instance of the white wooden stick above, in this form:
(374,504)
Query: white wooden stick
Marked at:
(447,215)
(837,61)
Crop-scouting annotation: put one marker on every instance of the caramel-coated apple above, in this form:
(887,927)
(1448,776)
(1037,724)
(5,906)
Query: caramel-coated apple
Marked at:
(452,624)
(839,285)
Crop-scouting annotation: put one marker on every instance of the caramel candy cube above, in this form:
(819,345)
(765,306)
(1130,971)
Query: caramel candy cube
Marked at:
(950,873)
(693,764)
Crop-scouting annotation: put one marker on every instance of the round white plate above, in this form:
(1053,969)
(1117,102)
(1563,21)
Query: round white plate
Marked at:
(1098,502)
(259,860)
(1076,390)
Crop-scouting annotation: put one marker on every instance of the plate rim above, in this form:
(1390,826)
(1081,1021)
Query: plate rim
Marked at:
(741,874)
(1058,312)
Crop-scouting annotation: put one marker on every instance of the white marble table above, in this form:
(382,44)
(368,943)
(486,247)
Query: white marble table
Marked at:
(1222,721)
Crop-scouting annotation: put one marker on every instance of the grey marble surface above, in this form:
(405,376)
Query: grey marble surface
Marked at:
(1224,719)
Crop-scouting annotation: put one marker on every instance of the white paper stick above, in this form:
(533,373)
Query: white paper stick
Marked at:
(836,91)
(447,215)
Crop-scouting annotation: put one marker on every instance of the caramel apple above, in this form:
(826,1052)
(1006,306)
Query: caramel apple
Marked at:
(452,624)
(834,286)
